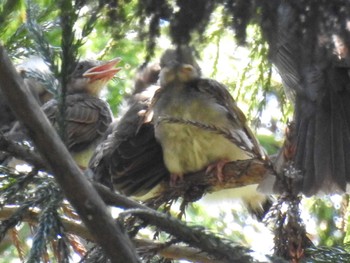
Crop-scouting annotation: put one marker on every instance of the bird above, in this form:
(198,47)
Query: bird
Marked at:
(130,159)
(34,72)
(314,68)
(199,125)
(86,117)
(37,78)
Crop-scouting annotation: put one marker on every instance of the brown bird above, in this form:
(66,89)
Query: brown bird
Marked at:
(86,116)
(37,78)
(199,125)
(34,73)
(130,159)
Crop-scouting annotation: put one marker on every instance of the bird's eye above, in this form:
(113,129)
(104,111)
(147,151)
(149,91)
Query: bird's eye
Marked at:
(80,67)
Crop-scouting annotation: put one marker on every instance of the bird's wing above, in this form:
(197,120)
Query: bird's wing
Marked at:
(238,127)
(138,164)
(86,119)
(130,159)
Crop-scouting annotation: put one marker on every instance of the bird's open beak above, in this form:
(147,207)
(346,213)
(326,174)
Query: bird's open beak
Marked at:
(105,72)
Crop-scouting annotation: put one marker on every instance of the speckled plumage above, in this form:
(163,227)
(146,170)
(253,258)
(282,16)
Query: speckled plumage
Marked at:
(86,116)
(86,120)
(130,159)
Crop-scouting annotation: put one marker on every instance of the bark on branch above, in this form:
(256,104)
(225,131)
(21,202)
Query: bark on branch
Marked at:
(195,185)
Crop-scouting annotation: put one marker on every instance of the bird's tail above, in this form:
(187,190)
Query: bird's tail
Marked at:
(323,136)
(316,153)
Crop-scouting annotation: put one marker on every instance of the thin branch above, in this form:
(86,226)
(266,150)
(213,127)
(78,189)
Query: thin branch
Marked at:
(16,240)
(190,235)
(175,251)
(32,216)
(195,185)
(86,201)
(21,152)
(77,228)
(211,128)
(195,236)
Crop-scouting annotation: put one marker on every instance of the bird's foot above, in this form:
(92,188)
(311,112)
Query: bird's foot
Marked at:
(174,178)
(218,166)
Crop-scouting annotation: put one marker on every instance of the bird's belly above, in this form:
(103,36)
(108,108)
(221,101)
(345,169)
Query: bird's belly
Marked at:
(188,149)
(82,158)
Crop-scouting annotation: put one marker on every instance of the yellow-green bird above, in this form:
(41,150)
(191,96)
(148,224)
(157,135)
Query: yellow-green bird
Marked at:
(200,126)
(86,116)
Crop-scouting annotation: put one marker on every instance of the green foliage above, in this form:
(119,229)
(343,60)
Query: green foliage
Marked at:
(269,142)
(328,254)
(34,191)
(39,36)
(8,11)
(256,78)
(327,215)
(49,228)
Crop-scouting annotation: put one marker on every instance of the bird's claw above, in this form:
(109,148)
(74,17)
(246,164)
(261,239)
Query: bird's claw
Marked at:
(218,166)
(174,178)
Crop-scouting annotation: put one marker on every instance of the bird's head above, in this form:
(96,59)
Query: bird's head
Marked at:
(182,73)
(38,78)
(90,76)
(178,65)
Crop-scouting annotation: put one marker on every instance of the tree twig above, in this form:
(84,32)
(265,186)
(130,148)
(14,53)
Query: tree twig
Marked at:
(19,151)
(32,216)
(77,228)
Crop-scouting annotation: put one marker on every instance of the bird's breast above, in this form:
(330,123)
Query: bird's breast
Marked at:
(82,158)
(180,118)
(187,148)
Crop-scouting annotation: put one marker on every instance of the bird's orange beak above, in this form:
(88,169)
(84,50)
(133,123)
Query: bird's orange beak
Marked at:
(104,72)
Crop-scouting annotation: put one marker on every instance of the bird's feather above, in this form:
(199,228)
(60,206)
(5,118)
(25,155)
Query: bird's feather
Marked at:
(130,159)
(86,119)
